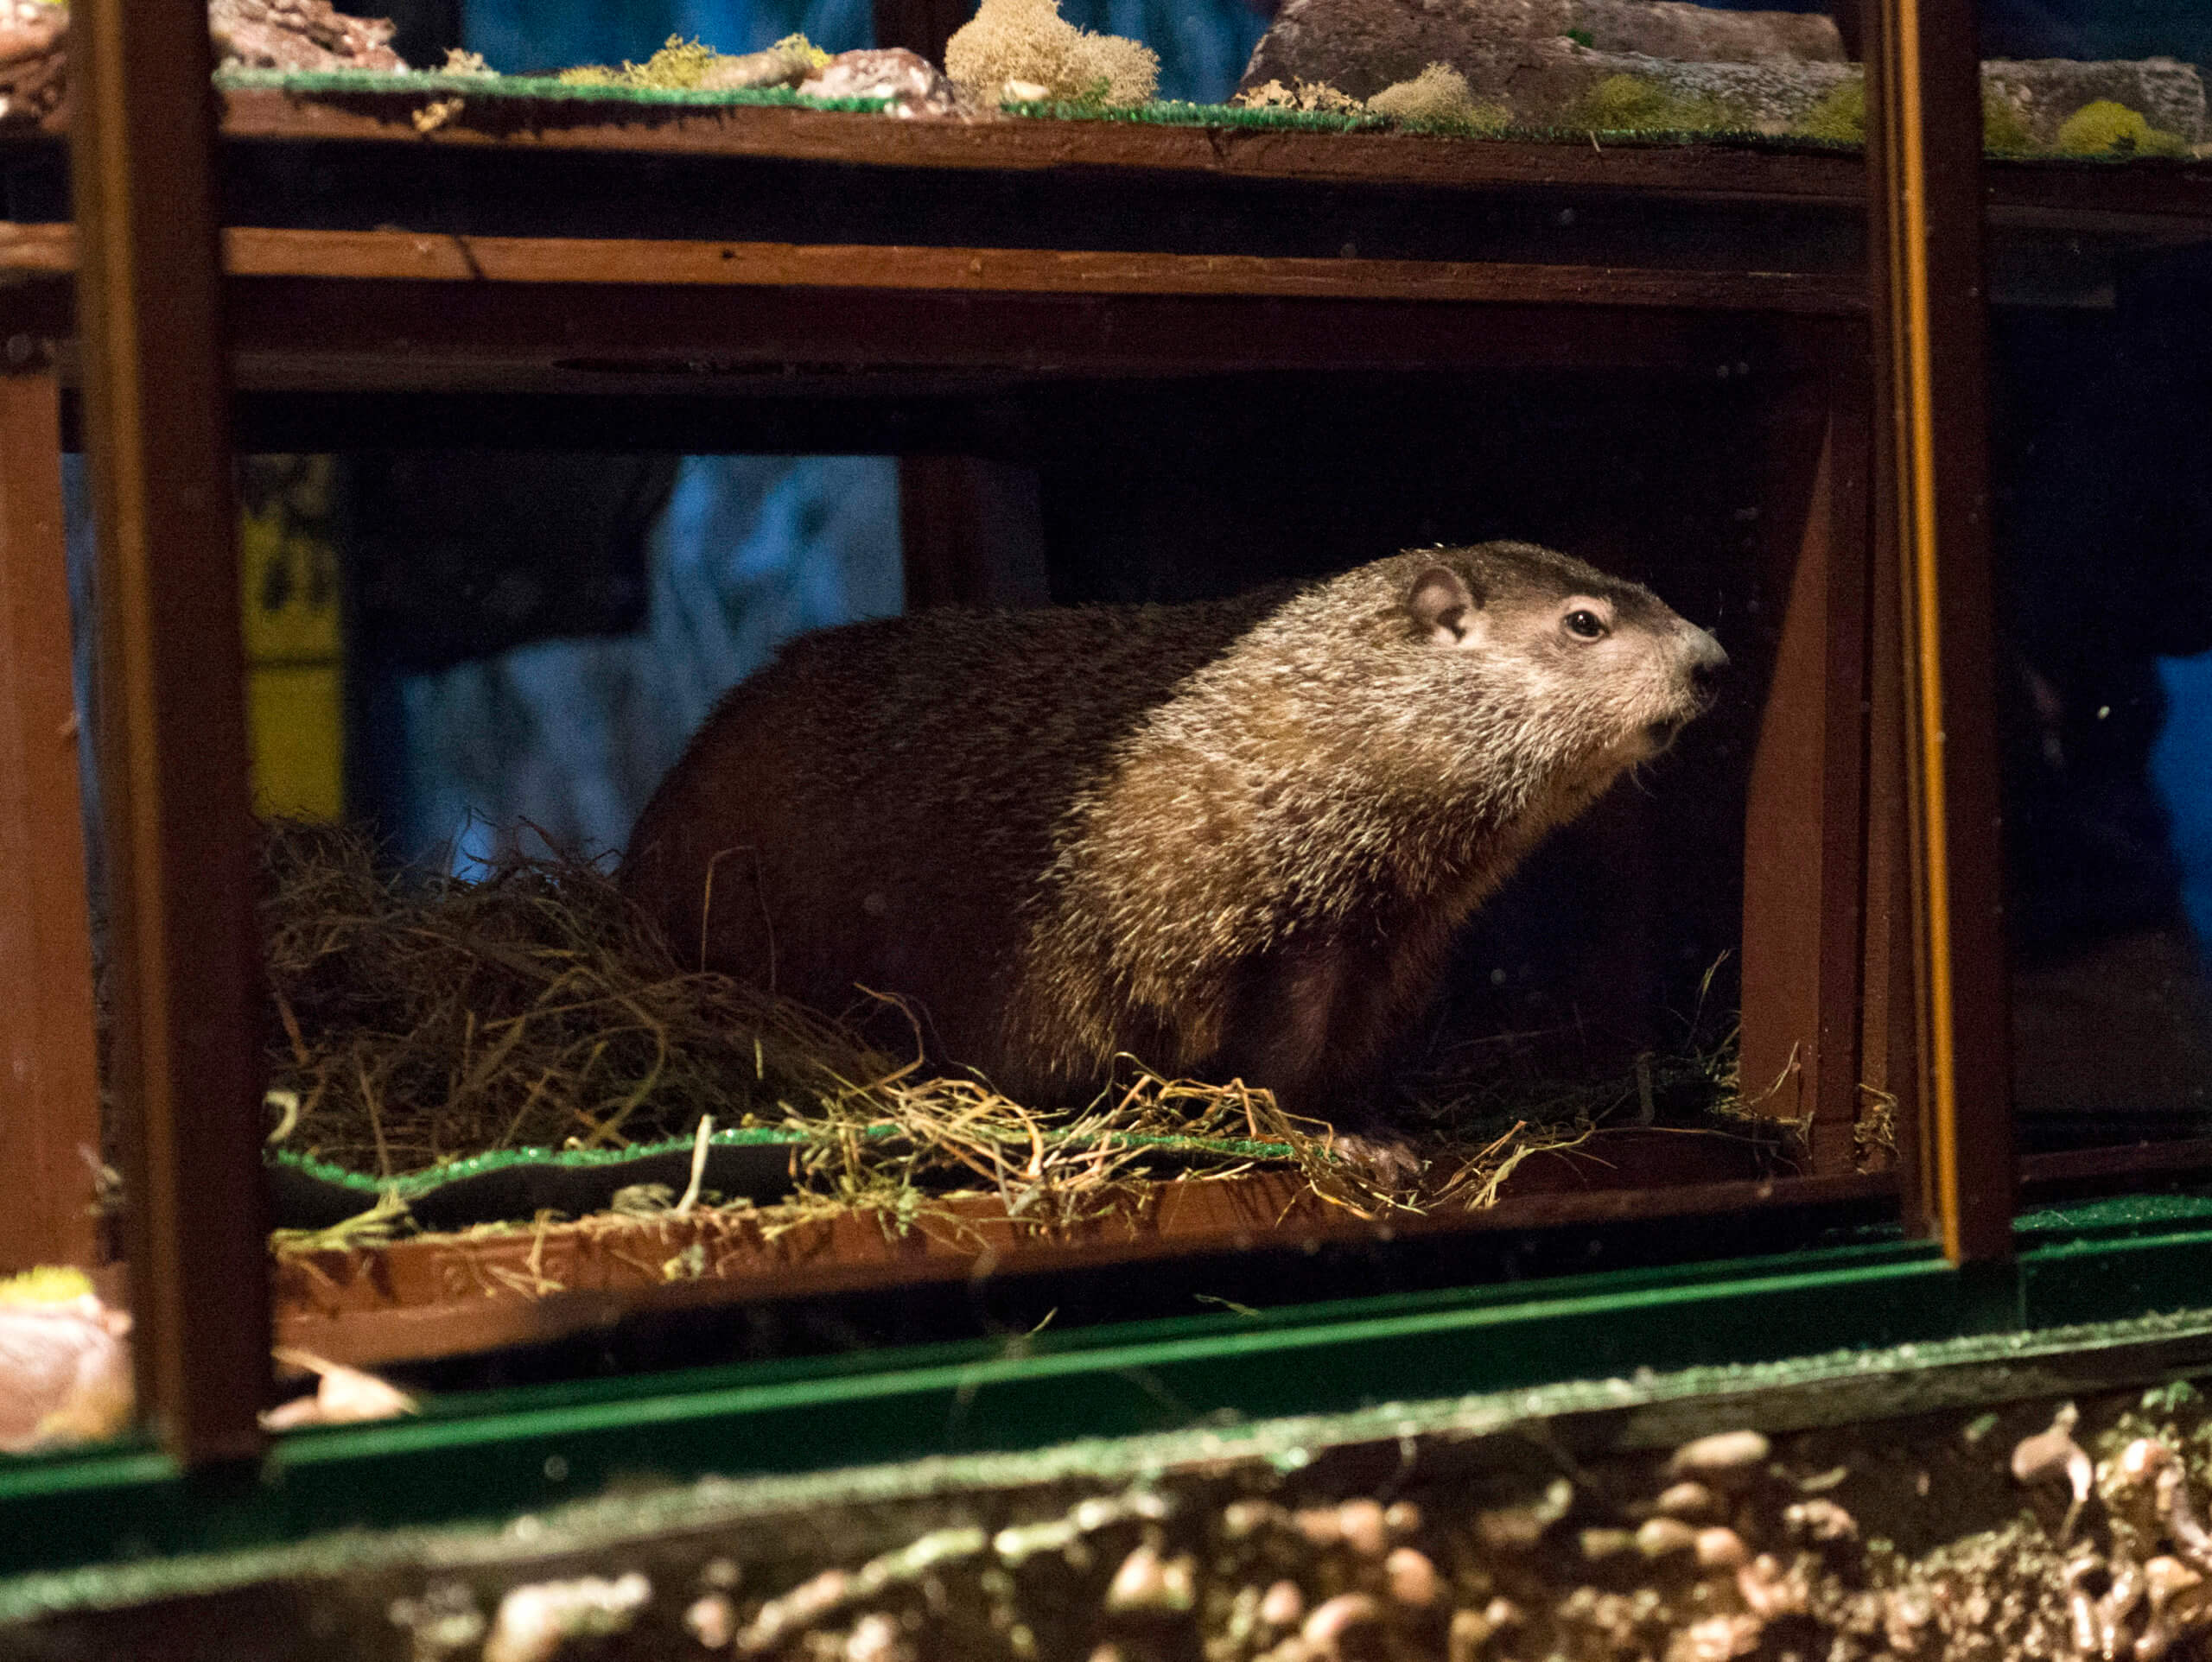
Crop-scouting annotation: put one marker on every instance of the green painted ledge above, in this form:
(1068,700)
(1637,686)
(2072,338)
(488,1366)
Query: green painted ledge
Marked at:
(494,1456)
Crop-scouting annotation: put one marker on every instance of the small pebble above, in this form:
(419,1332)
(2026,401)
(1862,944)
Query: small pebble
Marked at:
(1360,1524)
(712,1620)
(1819,1520)
(1325,1629)
(1403,1519)
(1145,1581)
(1660,1538)
(1693,1502)
(1721,1548)
(1725,1457)
(1243,1517)
(1601,1543)
(1283,1605)
(874,1639)
(1323,1526)
(1411,1577)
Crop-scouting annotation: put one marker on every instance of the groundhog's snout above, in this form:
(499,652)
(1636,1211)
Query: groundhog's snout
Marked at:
(1700,661)
(1703,661)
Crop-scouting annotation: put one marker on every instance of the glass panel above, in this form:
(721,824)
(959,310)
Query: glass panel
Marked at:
(65,1345)
(1415,852)
(478,1060)
(2105,572)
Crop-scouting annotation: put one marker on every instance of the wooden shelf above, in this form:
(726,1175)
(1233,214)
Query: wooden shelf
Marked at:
(444,1294)
(409,256)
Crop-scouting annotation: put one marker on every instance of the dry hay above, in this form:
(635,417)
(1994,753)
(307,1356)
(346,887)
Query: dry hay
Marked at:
(424,1019)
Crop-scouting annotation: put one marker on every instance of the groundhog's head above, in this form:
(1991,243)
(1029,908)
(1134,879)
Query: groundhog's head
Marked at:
(1597,673)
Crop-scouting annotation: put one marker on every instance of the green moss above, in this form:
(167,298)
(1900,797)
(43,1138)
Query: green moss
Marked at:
(2106,128)
(679,65)
(1582,37)
(1840,117)
(2004,128)
(1631,103)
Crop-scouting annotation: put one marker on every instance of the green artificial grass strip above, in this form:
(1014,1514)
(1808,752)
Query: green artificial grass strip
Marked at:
(415,1184)
(1174,113)
(411,84)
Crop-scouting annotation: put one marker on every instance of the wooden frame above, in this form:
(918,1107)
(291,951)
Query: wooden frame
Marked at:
(1927,268)
(1874,782)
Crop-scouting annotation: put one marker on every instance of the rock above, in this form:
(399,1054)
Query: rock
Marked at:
(1764,72)
(1411,1577)
(1359,1523)
(65,1370)
(908,80)
(1720,1548)
(712,1620)
(785,63)
(32,60)
(536,1621)
(299,34)
(1691,33)
(1283,1605)
(1726,1457)
(1148,1582)
(1325,1629)
(1519,50)
(1660,1538)
(2167,93)
(1693,1502)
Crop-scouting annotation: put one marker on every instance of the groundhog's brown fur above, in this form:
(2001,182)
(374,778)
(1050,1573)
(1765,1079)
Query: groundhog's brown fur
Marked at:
(1234,837)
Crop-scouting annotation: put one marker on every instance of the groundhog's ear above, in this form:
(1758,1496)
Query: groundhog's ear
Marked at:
(1442,604)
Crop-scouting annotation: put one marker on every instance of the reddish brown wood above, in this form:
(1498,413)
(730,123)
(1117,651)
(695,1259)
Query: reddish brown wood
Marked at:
(971,532)
(2083,1167)
(1804,832)
(1026,145)
(49,1075)
(444,1294)
(183,950)
(395,255)
(1889,1028)
(2157,197)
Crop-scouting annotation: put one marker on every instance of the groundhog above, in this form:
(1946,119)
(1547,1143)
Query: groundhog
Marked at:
(1231,839)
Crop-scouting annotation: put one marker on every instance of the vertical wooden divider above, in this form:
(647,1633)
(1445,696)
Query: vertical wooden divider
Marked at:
(1924,192)
(1804,833)
(173,743)
(49,1074)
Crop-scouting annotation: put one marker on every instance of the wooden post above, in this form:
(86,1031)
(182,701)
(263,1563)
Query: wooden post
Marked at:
(50,1073)
(173,744)
(971,532)
(1924,140)
(1804,845)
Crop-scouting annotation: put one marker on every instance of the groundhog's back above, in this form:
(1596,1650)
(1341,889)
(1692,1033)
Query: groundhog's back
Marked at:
(875,809)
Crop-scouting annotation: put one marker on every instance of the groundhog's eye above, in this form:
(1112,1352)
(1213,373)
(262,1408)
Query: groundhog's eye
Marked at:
(1583,626)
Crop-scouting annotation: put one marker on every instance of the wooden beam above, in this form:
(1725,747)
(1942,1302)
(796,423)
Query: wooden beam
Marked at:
(411,256)
(1805,853)
(441,1295)
(971,532)
(50,1073)
(1926,277)
(172,747)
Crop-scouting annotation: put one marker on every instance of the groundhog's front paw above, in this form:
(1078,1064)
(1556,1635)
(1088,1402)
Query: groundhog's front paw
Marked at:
(1384,1159)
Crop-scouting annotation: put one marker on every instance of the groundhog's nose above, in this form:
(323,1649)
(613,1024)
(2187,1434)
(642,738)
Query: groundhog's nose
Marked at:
(1706,660)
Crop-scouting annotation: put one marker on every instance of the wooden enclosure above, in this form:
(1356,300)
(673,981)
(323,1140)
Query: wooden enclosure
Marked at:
(788,280)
